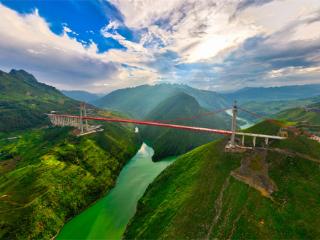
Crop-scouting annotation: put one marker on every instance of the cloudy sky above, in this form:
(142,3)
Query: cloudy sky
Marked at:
(220,45)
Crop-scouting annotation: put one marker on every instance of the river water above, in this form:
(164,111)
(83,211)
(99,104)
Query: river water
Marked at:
(107,218)
(244,122)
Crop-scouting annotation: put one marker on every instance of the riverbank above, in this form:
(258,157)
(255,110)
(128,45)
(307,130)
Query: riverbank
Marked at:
(49,176)
(108,217)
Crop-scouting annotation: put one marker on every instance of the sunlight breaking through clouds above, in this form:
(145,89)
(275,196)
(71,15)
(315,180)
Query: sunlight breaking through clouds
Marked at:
(218,45)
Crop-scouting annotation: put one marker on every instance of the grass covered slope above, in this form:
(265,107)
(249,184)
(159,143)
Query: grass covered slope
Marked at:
(171,142)
(24,101)
(198,197)
(48,176)
(270,108)
(310,114)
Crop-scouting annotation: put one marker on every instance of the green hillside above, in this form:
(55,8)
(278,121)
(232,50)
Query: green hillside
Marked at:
(49,175)
(171,142)
(206,195)
(139,101)
(309,114)
(24,101)
(270,108)
(263,94)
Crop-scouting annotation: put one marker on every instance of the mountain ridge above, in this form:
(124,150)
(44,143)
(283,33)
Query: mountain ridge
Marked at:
(182,109)
(24,101)
(139,101)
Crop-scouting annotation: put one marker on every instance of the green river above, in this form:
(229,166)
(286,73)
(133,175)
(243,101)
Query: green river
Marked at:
(108,217)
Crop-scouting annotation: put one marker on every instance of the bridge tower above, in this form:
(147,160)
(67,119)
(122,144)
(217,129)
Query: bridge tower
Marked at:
(83,113)
(234,124)
(81,116)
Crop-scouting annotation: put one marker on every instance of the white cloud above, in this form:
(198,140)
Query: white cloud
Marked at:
(169,33)
(196,30)
(27,42)
(294,72)
(112,25)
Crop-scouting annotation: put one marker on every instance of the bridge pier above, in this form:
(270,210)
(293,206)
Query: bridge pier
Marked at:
(254,141)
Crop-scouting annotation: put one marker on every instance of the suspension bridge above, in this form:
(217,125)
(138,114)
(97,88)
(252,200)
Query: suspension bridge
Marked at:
(81,122)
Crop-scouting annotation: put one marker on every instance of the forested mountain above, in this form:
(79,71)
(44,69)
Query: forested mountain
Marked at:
(212,194)
(47,174)
(24,101)
(139,101)
(181,108)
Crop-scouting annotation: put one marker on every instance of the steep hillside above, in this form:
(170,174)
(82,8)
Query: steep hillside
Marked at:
(48,176)
(24,101)
(139,101)
(262,94)
(170,142)
(82,96)
(206,195)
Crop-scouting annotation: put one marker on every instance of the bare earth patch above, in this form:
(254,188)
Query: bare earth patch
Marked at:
(254,172)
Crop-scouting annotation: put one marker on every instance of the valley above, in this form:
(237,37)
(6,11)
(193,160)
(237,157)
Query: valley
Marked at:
(183,185)
(107,218)
(159,120)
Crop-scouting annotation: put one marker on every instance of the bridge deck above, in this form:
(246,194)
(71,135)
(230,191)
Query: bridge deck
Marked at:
(167,125)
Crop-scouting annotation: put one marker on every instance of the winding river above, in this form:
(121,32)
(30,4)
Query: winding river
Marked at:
(107,219)
(244,122)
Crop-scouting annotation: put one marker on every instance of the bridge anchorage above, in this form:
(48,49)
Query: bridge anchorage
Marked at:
(81,123)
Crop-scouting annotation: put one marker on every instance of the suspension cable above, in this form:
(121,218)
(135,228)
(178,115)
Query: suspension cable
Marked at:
(195,116)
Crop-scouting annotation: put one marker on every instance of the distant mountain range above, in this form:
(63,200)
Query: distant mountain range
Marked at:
(169,142)
(261,94)
(82,96)
(139,101)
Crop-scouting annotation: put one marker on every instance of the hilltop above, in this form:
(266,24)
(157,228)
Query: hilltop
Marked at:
(139,101)
(211,194)
(24,101)
(170,142)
